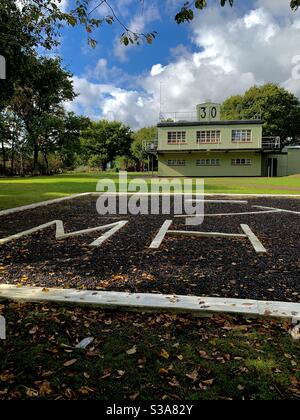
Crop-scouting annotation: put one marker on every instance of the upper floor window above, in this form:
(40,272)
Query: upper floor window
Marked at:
(208,162)
(176,162)
(241,136)
(241,162)
(213,136)
(176,137)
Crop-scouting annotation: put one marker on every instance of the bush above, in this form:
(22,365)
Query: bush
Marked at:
(55,164)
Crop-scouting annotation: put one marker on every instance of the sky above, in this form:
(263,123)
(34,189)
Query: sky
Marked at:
(223,52)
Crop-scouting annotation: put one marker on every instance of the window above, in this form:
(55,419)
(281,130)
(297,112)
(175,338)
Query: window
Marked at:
(241,162)
(176,137)
(176,162)
(241,136)
(213,136)
(208,162)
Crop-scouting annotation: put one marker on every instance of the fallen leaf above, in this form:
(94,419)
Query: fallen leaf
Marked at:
(132,351)
(163,353)
(121,373)
(45,389)
(33,331)
(193,375)
(174,383)
(70,363)
(163,371)
(32,393)
(208,382)
(203,354)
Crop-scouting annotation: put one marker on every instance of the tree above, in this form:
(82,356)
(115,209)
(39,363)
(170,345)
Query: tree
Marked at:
(68,145)
(15,44)
(42,90)
(105,140)
(279,109)
(147,134)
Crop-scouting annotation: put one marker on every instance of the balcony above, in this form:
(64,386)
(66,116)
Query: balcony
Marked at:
(271,143)
(150,146)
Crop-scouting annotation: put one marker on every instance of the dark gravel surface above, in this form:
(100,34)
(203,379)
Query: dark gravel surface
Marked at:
(183,265)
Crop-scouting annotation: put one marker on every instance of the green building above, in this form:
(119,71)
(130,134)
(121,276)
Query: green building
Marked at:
(207,146)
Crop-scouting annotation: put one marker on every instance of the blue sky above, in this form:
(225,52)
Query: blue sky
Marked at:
(223,52)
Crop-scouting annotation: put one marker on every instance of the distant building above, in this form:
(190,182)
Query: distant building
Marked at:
(204,145)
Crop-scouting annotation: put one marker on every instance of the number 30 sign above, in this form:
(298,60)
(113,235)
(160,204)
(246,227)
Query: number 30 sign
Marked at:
(208,112)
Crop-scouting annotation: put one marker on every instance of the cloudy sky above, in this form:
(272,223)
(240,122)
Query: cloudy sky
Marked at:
(223,52)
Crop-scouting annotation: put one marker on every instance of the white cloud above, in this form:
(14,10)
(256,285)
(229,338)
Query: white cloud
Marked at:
(232,53)
(156,70)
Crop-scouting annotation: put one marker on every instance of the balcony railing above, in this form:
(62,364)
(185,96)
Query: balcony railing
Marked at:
(190,116)
(150,146)
(178,117)
(271,143)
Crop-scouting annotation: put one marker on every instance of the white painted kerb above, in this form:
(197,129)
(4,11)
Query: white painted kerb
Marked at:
(152,302)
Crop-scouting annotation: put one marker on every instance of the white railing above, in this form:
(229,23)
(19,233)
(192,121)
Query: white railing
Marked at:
(271,143)
(178,116)
(150,145)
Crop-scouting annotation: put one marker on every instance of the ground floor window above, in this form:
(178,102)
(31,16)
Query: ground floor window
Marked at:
(241,162)
(176,162)
(208,162)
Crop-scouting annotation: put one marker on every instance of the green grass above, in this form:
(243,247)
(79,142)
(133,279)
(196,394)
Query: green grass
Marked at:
(172,357)
(21,191)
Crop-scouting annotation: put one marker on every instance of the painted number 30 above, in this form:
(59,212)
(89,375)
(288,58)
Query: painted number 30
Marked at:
(212,111)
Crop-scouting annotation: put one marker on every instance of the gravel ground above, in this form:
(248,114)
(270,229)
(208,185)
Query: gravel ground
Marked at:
(183,265)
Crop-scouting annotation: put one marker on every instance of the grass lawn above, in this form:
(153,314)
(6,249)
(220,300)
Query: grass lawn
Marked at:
(17,191)
(144,356)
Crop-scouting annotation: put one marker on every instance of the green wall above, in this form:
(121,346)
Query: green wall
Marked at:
(225,168)
(288,163)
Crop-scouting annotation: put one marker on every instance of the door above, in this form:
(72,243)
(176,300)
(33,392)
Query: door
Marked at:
(272,167)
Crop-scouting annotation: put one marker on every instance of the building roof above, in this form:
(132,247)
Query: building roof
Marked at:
(207,123)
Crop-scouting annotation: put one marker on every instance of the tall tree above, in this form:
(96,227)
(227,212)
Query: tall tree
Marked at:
(43,88)
(279,109)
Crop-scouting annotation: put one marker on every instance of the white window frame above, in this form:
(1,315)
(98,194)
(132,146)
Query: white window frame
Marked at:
(241,162)
(206,136)
(176,162)
(243,136)
(208,162)
(176,137)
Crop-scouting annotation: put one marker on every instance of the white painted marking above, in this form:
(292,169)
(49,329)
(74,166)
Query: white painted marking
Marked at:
(281,210)
(257,245)
(60,232)
(216,201)
(152,302)
(157,241)
(118,226)
(41,204)
(93,194)
(227,214)
(206,234)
